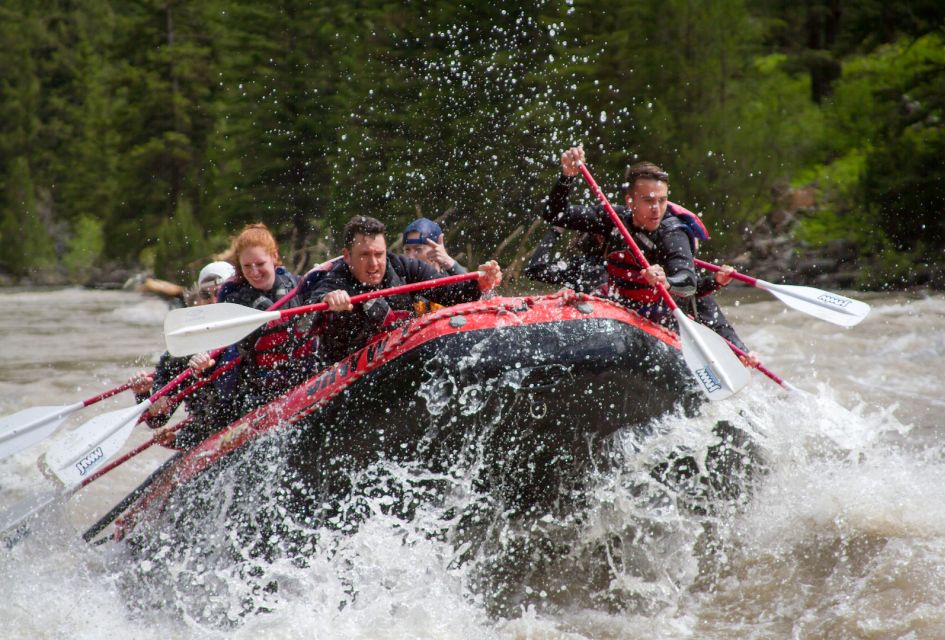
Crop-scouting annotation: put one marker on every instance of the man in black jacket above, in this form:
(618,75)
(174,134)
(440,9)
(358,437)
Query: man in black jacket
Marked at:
(368,266)
(667,235)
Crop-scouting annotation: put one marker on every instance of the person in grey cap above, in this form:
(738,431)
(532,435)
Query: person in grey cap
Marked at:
(211,279)
(201,404)
(423,240)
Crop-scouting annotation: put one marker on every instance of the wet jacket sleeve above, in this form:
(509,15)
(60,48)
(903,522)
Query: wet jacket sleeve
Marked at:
(678,264)
(543,263)
(582,273)
(320,287)
(707,285)
(456,269)
(559,212)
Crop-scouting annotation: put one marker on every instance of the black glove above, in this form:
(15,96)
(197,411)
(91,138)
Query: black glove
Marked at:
(376,310)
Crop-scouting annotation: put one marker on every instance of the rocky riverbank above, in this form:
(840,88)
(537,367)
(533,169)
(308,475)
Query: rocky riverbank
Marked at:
(773,250)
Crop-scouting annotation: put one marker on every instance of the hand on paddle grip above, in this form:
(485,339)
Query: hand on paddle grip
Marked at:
(490,276)
(338,300)
(724,275)
(654,275)
(200,362)
(141,383)
(571,160)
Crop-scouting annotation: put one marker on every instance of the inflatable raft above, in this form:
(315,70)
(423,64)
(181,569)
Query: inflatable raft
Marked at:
(523,388)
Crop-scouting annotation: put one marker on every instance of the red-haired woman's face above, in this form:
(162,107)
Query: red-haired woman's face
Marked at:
(258,267)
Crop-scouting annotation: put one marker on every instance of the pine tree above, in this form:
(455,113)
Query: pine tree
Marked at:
(165,57)
(24,243)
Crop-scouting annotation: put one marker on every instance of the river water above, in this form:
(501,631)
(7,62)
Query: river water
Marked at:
(843,537)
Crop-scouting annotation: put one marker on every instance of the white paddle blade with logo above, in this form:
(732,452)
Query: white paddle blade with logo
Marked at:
(832,307)
(79,454)
(719,373)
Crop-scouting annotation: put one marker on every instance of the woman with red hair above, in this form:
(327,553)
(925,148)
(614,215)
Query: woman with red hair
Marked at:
(260,277)
(274,358)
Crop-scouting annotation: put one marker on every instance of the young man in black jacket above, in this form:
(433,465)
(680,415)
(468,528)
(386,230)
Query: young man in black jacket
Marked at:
(368,266)
(666,234)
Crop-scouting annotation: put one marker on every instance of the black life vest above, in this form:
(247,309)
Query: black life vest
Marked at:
(277,342)
(623,270)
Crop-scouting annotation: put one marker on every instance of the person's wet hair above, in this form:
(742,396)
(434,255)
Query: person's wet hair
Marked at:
(363,225)
(642,171)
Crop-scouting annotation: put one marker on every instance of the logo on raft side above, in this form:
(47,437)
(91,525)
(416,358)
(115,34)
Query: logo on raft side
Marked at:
(346,366)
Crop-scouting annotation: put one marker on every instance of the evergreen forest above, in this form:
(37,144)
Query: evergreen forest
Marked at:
(141,134)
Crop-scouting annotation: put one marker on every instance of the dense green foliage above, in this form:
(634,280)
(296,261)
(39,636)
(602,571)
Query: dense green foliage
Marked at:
(148,131)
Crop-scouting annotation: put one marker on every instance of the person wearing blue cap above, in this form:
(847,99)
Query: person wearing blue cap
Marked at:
(423,240)
(367,266)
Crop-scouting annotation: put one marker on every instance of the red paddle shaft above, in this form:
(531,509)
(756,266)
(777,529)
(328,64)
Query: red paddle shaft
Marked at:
(735,274)
(106,394)
(380,293)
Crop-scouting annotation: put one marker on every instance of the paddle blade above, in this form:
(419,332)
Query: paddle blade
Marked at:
(79,454)
(13,521)
(824,305)
(26,428)
(196,329)
(718,371)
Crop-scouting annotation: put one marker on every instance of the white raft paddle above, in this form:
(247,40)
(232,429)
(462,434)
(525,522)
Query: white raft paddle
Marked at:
(29,426)
(832,307)
(81,456)
(84,450)
(718,371)
(203,328)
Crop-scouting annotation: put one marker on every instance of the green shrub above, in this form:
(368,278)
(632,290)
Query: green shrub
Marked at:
(85,247)
(180,242)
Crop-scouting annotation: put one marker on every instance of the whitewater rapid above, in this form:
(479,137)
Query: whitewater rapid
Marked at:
(843,536)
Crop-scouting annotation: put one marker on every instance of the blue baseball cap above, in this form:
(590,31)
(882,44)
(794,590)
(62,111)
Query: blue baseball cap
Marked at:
(427,229)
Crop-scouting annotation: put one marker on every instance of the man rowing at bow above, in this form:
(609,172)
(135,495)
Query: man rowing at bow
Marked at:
(367,266)
(667,234)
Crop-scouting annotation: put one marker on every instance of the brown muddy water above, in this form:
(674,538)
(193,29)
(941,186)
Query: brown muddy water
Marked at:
(843,537)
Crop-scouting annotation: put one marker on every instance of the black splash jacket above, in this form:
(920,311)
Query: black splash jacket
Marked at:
(669,246)
(348,331)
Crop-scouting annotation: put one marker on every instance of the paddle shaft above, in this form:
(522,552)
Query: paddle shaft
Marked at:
(735,274)
(106,394)
(380,293)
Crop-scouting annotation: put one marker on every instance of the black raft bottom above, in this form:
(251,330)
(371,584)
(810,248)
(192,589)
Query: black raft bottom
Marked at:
(522,404)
